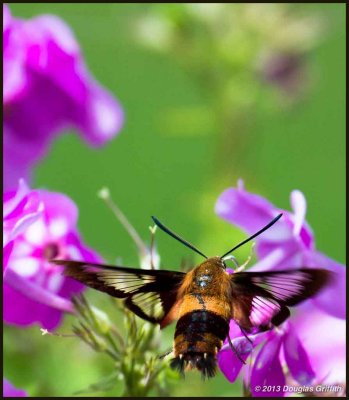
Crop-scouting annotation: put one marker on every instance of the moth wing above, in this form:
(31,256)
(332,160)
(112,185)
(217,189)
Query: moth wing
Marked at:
(150,294)
(261,299)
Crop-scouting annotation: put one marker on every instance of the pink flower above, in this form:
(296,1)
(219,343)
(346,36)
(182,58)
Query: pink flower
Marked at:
(47,88)
(288,244)
(311,344)
(35,291)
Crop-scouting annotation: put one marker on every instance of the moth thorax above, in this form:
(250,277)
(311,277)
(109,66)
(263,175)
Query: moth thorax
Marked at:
(203,280)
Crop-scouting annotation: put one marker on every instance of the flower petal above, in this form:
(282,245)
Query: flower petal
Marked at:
(6,252)
(36,233)
(57,228)
(85,253)
(269,262)
(297,359)
(228,361)
(299,206)
(267,369)
(59,207)
(6,17)
(12,201)
(21,295)
(324,338)
(332,298)
(24,223)
(16,306)
(248,211)
(25,266)
(105,117)
(36,292)
(251,212)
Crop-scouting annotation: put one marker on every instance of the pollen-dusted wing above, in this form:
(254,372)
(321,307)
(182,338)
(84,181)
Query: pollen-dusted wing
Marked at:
(150,294)
(261,299)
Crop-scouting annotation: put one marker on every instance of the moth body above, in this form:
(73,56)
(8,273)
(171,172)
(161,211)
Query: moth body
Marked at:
(203,317)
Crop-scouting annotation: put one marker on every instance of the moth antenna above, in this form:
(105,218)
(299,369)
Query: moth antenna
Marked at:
(271,223)
(175,236)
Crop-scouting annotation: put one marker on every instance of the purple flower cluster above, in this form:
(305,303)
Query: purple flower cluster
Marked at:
(47,88)
(310,346)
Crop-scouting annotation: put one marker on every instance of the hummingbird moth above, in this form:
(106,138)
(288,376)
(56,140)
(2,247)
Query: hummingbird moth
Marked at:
(204,300)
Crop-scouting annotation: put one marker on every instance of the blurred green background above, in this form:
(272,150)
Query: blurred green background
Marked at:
(168,163)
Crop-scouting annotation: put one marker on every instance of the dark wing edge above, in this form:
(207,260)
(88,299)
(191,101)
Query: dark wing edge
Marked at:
(150,294)
(261,299)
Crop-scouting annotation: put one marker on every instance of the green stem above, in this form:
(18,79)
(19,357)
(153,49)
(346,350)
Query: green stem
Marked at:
(105,195)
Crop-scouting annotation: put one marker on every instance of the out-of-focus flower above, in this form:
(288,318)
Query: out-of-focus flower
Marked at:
(285,71)
(288,244)
(47,88)
(223,44)
(10,391)
(35,291)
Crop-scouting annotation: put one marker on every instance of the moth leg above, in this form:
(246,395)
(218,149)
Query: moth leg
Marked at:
(245,334)
(165,354)
(234,350)
(244,265)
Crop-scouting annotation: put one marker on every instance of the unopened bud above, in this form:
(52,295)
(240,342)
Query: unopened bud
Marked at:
(104,193)
(101,319)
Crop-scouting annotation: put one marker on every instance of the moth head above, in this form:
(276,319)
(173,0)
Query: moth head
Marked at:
(216,261)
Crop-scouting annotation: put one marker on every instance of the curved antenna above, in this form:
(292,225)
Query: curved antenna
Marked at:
(163,227)
(253,236)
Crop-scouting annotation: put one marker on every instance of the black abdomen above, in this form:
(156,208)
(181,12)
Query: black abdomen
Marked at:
(199,335)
